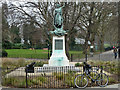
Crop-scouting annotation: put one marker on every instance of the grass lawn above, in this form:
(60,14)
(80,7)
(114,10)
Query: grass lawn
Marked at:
(75,52)
(38,54)
(25,51)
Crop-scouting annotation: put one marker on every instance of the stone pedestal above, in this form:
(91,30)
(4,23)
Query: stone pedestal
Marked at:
(58,57)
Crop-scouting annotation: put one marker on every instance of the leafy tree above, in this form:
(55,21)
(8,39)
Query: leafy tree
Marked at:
(5,27)
(14,32)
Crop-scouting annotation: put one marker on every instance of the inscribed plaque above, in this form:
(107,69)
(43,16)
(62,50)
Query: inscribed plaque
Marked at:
(59,44)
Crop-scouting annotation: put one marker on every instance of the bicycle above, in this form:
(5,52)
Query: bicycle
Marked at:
(81,80)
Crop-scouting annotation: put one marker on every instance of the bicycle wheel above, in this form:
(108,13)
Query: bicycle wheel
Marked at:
(102,80)
(81,81)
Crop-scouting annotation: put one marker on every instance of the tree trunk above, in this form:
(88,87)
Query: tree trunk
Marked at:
(89,29)
(86,41)
(102,43)
(67,47)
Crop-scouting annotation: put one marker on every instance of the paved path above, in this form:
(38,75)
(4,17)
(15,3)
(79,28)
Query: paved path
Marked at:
(109,87)
(113,86)
(105,56)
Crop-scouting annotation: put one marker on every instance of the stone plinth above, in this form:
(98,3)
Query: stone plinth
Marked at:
(58,57)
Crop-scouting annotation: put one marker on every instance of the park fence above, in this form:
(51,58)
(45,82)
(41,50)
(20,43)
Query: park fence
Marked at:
(94,57)
(77,57)
(49,77)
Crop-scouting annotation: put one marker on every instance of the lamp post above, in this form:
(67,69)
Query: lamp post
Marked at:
(48,52)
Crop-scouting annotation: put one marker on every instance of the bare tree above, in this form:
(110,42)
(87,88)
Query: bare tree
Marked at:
(83,19)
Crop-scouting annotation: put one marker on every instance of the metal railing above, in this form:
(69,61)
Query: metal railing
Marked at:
(99,57)
(48,77)
(72,57)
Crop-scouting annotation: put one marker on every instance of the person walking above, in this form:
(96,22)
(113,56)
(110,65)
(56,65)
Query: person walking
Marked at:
(115,52)
(119,52)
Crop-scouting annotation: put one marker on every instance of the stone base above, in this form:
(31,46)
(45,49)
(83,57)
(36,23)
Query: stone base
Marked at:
(58,57)
(59,62)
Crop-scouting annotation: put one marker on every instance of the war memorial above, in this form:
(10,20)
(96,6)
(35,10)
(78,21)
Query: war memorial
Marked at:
(58,57)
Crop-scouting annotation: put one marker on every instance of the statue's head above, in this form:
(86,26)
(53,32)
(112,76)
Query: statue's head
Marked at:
(58,5)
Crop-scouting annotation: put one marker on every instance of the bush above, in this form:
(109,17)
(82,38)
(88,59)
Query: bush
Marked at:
(41,46)
(14,82)
(77,65)
(6,45)
(17,46)
(76,47)
(108,48)
(40,64)
(4,53)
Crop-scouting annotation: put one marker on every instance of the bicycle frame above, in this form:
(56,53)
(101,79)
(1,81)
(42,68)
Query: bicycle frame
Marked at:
(90,76)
